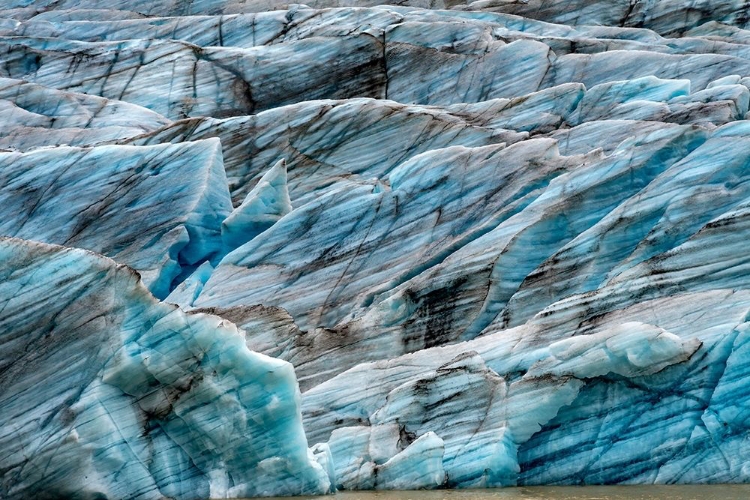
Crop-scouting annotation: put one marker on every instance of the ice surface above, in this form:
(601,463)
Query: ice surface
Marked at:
(36,116)
(108,392)
(501,243)
(121,201)
(262,208)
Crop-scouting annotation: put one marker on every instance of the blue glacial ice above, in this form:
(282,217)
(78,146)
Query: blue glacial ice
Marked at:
(263,206)
(121,201)
(110,392)
(258,249)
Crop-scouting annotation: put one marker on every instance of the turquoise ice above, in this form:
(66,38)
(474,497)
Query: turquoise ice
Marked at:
(110,392)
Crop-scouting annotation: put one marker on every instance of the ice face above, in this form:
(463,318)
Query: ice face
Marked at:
(35,116)
(324,141)
(121,201)
(110,392)
(198,82)
(262,208)
(483,417)
(500,243)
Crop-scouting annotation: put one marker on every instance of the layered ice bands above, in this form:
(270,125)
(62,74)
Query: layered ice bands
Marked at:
(257,249)
(107,391)
(121,201)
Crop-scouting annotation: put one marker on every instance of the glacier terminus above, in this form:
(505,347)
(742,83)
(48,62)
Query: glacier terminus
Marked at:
(251,248)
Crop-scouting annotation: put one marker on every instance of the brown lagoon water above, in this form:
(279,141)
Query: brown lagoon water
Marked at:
(704,492)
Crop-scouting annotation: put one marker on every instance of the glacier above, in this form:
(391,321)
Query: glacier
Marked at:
(251,248)
(112,393)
